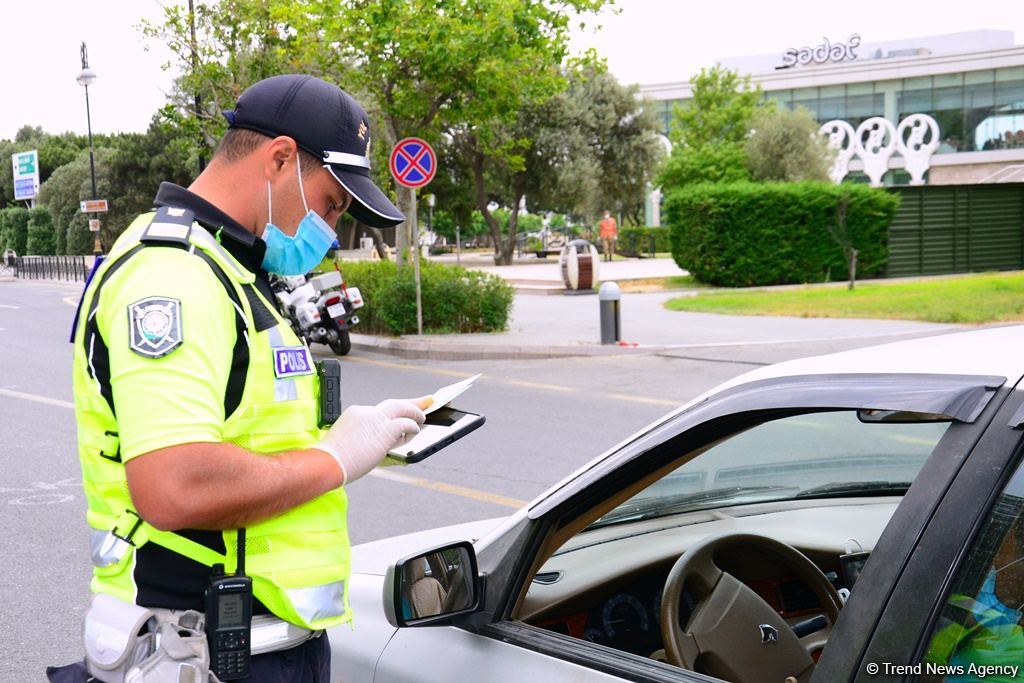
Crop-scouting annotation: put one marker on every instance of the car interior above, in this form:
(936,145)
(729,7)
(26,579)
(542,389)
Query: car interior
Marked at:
(755,538)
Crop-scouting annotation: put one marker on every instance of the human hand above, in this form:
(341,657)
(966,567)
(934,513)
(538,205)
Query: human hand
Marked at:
(363,435)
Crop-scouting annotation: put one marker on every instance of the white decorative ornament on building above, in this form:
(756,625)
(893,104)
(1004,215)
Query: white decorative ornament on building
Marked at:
(917,138)
(841,139)
(875,141)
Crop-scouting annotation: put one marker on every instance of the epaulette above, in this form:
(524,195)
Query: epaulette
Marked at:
(169,225)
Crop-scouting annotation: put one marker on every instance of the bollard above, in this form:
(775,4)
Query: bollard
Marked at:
(609,297)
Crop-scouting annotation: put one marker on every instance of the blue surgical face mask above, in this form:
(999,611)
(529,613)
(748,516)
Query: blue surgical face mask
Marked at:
(299,254)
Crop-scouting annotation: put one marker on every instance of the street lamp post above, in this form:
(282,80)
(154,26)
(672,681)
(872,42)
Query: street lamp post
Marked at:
(86,78)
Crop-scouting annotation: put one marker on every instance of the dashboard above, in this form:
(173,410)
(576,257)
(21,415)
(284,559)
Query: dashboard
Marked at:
(630,618)
(606,585)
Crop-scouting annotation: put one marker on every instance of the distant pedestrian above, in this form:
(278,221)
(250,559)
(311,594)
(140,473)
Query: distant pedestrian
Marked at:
(609,232)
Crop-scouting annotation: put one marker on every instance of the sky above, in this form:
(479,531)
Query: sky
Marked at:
(644,41)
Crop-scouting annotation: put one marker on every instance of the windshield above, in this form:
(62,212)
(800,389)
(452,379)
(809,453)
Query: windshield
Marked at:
(803,456)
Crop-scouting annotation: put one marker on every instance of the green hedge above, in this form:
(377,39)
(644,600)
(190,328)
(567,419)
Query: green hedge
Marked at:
(454,299)
(42,240)
(637,240)
(14,226)
(751,234)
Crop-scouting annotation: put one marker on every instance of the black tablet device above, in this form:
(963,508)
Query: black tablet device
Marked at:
(444,426)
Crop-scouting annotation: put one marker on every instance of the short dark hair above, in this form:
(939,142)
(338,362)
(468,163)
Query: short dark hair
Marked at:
(238,143)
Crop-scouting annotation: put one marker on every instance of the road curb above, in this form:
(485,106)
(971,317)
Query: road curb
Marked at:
(419,349)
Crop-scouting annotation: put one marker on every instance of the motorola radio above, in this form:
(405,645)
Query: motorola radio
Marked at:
(229,619)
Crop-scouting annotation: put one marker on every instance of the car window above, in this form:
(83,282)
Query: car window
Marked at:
(823,454)
(979,633)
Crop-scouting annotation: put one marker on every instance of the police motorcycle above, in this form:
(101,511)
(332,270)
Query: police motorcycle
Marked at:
(320,307)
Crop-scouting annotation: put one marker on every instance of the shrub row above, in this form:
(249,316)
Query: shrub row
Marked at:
(750,234)
(637,240)
(455,300)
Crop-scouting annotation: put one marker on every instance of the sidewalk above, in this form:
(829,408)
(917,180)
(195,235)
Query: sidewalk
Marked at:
(566,326)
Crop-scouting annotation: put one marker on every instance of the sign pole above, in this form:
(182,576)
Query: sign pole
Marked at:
(416,265)
(413,164)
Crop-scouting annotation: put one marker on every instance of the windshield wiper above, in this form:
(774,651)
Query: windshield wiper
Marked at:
(666,505)
(855,488)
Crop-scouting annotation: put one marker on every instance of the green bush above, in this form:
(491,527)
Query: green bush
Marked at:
(14,225)
(637,240)
(750,234)
(454,299)
(80,240)
(42,240)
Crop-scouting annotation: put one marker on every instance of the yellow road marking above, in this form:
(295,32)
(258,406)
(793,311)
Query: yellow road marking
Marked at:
(71,301)
(643,399)
(513,382)
(38,399)
(537,385)
(452,489)
(403,366)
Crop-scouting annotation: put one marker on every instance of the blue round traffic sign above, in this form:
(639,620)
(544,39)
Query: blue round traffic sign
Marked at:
(413,163)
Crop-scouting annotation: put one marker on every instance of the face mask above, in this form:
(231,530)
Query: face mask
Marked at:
(301,253)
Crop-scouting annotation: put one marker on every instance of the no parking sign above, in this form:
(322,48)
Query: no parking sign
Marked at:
(413,163)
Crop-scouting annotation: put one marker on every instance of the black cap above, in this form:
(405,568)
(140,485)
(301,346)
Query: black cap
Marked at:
(325,121)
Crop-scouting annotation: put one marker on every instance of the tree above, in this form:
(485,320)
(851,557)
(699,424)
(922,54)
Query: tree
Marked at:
(585,148)
(422,68)
(622,133)
(54,152)
(42,240)
(786,146)
(14,223)
(62,192)
(709,131)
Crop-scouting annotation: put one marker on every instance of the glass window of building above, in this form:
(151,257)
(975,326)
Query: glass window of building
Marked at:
(862,103)
(1008,118)
(979,102)
(831,103)
(948,111)
(808,99)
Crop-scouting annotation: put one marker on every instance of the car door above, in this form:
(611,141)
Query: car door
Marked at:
(496,647)
(948,568)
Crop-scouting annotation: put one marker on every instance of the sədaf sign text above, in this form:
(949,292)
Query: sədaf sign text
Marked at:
(825,52)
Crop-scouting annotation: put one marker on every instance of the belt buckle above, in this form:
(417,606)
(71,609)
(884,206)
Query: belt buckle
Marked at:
(127,538)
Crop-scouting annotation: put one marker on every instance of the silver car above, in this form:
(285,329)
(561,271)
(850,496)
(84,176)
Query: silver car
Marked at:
(858,516)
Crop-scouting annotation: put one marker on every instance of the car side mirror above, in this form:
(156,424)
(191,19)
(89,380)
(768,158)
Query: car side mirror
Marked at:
(432,587)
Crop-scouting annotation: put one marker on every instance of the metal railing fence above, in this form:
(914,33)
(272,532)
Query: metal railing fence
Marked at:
(72,268)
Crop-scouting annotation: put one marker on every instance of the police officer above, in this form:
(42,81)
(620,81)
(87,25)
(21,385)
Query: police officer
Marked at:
(197,405)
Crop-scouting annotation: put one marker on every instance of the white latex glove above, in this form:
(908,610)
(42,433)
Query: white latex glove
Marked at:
(363,435)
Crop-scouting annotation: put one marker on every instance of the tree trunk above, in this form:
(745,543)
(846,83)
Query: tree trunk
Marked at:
(404,239)
(852,263)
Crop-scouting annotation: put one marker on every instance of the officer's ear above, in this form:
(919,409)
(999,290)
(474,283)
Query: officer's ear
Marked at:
(278,156)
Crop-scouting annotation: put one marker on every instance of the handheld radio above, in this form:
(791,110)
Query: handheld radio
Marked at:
(229,619)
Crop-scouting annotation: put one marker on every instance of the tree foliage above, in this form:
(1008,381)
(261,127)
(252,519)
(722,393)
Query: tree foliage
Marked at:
(427,68)
(786,146)
(42,240)
(14,226)
(710,130)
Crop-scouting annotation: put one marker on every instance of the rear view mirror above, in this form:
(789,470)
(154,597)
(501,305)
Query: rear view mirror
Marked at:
(432,587)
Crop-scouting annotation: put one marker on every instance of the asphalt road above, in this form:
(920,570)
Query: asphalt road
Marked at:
(544,420)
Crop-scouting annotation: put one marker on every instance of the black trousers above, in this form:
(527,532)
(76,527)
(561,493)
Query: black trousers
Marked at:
(309,662)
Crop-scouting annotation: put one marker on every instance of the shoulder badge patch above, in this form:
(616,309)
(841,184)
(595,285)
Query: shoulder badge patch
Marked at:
(154,326)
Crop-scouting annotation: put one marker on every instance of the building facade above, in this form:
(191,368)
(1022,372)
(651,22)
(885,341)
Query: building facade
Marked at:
(971,84)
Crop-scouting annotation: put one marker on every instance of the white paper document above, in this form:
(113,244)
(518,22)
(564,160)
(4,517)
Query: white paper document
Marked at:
(447,394)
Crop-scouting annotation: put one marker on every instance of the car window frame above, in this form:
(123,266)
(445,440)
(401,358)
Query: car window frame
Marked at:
(970,397)
(902,635)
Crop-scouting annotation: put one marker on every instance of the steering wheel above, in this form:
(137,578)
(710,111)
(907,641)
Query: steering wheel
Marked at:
(735,633)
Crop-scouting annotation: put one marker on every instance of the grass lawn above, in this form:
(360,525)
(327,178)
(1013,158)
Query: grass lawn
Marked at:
(988,297)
